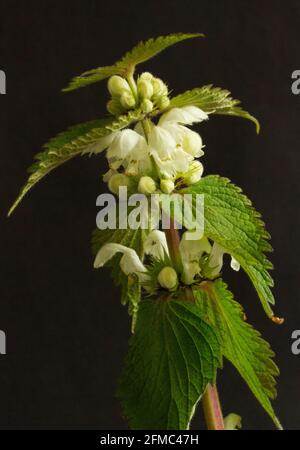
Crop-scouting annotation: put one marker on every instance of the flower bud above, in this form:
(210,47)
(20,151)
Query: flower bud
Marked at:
(147,76)
(114,107)
(167,186)
(159,87)
(117,85)
(195,172)
(167,278)
(117,181)
(127,100)
(146,105)
(163,102)
(145,88)
(146,185)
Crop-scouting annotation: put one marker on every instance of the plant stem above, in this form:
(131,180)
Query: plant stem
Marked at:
(212,408)
(210,399)
(173,241)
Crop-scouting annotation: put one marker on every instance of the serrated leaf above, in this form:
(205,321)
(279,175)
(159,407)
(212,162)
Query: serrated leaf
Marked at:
(231,221)
(69,144)
(142,52)
(242,345)
(213,100)
(172,356)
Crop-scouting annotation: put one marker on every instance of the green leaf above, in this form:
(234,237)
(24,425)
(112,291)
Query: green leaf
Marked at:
(139,54)
(172,356)
(242,345)
(213,100)
(69,144)
(231,221)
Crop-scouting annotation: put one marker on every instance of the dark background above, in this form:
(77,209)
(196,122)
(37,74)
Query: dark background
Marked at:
(66,330)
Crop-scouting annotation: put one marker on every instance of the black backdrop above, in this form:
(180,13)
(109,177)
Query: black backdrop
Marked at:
(66,331)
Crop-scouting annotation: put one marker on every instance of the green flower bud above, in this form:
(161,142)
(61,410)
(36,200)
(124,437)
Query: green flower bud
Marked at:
(117,181)
(163,102)
(159,87)
(127,100)
(117,85)
(167,278)
(167,186)
(145,88)
(146,185)
(147,76)
(146,105)
(114,107)
(195,172)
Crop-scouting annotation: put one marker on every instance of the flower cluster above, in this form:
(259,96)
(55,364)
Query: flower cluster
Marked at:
(156,157)
(148,93)
(200,260)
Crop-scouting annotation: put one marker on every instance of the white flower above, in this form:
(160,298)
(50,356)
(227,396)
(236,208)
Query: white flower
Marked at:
(124,142)
(191,250)
(156,244)
(129,149)
(129,263)
(216,260)
(192,247)
(194,173)
(186,115)
(174,146)
(100,145)
(168,157)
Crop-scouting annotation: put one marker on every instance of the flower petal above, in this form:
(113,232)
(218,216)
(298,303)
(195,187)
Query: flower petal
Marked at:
(129,263)
(123,144)
(234,264)
(161,142)
(156,244)
(101,144)
(216,259)
(191,251)
(186,115)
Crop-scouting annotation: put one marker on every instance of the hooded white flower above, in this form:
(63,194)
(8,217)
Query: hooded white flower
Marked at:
(129,263)
(156,244)
(174,146)
(216,260)
(169,158)
(101,144)
(129,149)
(191,250)
(186,115)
